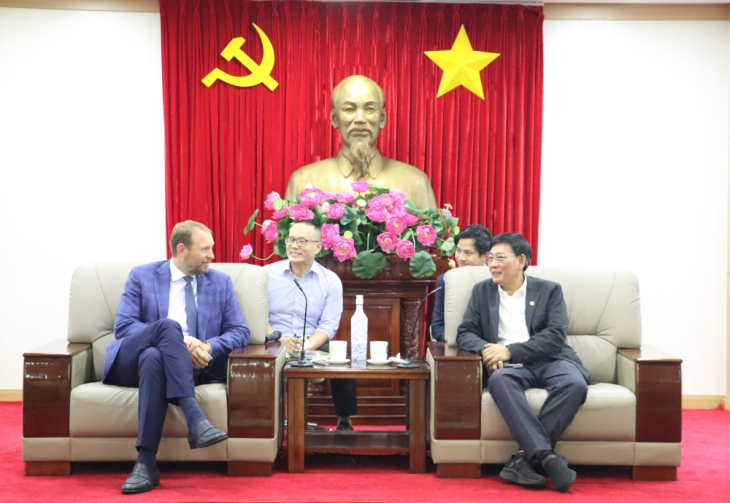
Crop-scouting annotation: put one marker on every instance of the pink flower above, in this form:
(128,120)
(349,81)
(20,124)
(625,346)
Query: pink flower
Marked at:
(387,241)
(330,233)
(398,194)
(446,213)
(396,225)
(384,200)
(398,211)
(278,215)
(269,203)
(246,252)
(412,219)
(325,207)
(311,197)
(300,212)
(344,248)
(329,195)
(426,234)
(361,186)
(377,214)
(268,229)
(336,211)
(345,197)
(405,249)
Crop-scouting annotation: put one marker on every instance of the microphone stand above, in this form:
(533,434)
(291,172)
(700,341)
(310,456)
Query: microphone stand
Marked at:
(407,362)
(302,362)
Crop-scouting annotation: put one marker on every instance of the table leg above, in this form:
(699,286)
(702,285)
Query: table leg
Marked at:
(296,423)
(417,424)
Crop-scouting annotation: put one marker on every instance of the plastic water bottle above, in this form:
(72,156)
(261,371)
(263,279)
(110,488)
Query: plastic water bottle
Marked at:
(359,331)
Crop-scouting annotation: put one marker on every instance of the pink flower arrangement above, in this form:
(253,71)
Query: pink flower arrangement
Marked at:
(300,212)
(387,241)
(412,219)
(330,233)
(398,211)
(246,252)
(398,194)
(405,249)
(311,197)
(336,211)
(279,214)
(269,231)
(344,248)
(269,203)
(377,214)
(426,235)
(361,186)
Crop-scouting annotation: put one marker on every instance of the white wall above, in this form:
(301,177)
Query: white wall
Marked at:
(81,161)
(635,164)
(635,173)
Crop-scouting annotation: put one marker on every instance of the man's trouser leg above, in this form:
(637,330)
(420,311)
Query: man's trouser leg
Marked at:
(344,392)
(158,363)
(567,391)
(507,387)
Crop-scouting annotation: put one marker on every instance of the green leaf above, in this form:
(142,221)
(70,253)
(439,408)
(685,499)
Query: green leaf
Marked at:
(421,265)
(413,208)
(350,215)
(280,247)
(367,264)
(448,247)
(278,204)
(347,234)
(251,222)
(362,203)
(283,226)
(452,221)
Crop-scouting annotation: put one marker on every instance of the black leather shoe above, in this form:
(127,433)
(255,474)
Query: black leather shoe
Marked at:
(142,479)
(205,435)
(344,426)
(519,470)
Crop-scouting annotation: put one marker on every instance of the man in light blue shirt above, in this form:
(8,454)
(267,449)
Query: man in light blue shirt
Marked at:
(324,296)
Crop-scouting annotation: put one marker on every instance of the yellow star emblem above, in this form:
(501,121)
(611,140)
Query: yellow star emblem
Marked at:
(461,65)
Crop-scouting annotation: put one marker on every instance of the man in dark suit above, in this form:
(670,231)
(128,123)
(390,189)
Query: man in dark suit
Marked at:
(518,325)
(176,324)
(472,245)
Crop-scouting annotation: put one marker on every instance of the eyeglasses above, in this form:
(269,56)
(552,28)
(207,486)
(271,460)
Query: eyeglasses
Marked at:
(299,242)
(498,258)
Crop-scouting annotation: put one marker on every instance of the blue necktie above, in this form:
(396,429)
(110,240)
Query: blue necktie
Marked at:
(191,310)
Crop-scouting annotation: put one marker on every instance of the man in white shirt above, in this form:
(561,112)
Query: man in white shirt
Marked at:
(323,290)
(519,326)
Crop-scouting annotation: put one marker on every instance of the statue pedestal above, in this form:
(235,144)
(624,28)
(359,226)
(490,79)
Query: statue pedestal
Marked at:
(391,303)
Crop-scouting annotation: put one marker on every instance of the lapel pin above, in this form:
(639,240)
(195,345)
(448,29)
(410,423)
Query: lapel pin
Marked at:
(532,302)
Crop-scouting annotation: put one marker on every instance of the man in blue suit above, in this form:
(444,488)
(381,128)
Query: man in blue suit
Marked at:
(175,326)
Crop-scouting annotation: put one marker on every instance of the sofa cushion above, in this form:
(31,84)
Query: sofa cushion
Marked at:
(102,410)
(609,414)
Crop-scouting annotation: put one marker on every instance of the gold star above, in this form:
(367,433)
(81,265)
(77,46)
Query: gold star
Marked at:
(461,65)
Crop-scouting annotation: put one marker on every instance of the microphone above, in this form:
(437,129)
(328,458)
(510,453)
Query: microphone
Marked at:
(407,364)
(302,362)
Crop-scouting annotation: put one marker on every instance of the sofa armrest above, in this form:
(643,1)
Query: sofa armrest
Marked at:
(48,378)
(255,390)
(658,389)
(457,392)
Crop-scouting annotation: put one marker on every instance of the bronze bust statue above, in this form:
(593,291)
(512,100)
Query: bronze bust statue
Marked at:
(358,112)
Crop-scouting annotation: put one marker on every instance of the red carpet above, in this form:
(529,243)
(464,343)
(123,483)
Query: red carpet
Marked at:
(701,477)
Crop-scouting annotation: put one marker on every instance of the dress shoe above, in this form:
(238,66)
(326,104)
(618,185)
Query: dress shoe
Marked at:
(344,426)
(205,435)
(556,467)
(519,470)
(142,479)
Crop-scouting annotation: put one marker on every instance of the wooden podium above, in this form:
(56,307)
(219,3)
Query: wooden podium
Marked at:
(391,303)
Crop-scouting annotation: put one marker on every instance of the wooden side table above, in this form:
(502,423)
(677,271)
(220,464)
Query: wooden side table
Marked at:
(411,441)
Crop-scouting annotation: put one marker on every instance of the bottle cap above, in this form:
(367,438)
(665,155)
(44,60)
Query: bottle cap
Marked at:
(358,299)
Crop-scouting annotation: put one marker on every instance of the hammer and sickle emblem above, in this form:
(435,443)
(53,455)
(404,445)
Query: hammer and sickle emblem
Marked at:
(260,73)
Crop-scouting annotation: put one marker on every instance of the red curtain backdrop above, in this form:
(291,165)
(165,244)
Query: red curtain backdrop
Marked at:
(228,147)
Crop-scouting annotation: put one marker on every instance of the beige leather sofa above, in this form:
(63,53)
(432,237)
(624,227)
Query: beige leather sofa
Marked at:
(70,416)
(632,415)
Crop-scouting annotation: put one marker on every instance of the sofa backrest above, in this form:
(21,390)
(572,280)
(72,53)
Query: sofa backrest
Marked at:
(603,310)
(96,290)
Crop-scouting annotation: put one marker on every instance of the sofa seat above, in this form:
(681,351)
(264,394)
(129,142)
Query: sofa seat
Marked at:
(93,404)
(608,414)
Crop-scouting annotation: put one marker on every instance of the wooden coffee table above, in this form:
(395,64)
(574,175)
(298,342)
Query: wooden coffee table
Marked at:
(412,441)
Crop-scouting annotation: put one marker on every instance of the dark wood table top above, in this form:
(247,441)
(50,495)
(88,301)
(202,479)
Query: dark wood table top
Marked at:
(359,369)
